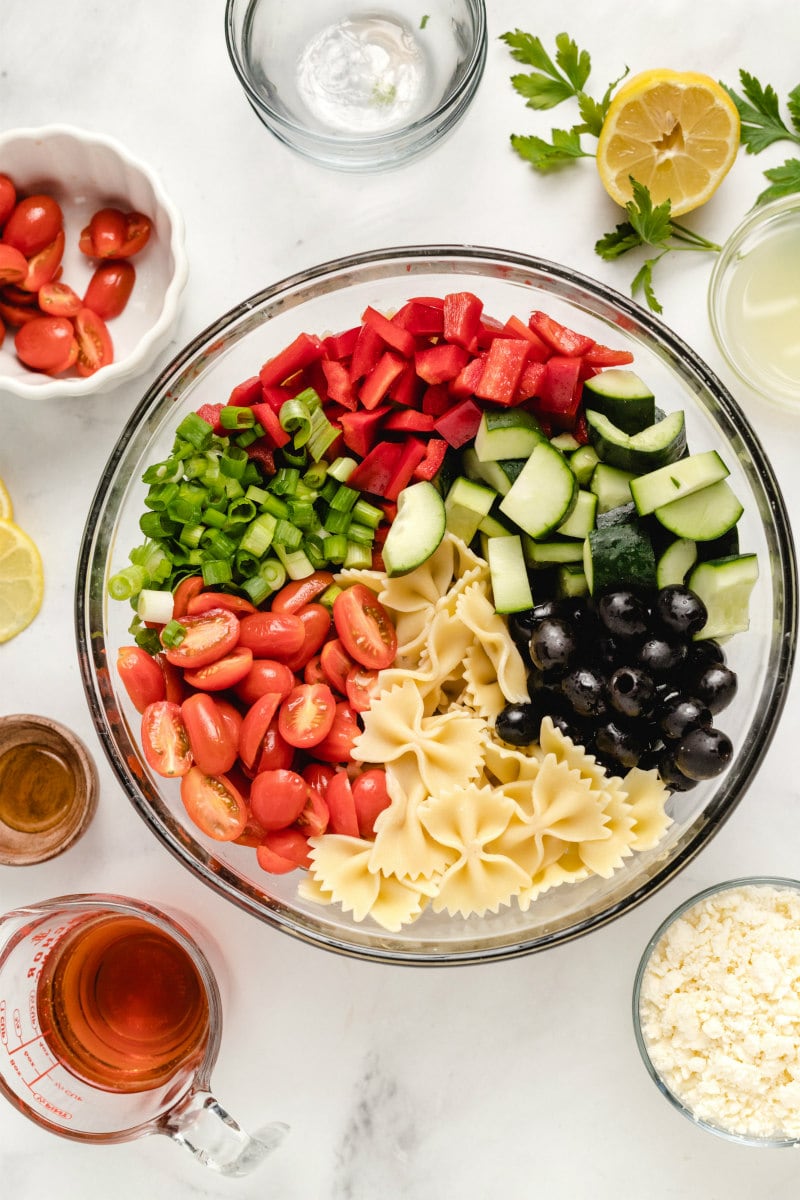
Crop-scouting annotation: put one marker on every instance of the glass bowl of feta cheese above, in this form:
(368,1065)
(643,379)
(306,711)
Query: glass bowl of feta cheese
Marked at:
(716,1010)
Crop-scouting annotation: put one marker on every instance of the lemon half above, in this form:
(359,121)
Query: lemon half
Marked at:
(21,580)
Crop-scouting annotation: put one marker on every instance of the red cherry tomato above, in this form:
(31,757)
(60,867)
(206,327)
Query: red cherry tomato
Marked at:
(371,797)
(14,313)
(276,753)
(282,851)
(336,664)
(141,677)
(209,636)
(8,199)
(312,671)
(307,715)
(59,300)
(337,747)
(365,627)
(361,686)
(173,680)
(2,331)
(318,775)
(223,673)
(316,622)
(42,267)
(206,600)
(13,265)
(214,804)
(233,720)
(213,749)
(138,228)
(33,224)
(95,347)
(188,587)
(277,798)
(295,595)
(45,343)
(272,635)
(341,806)
(14,294)
(164,739)
(313,820)
(110,288)
(105,234)
(255,724)
(265,675)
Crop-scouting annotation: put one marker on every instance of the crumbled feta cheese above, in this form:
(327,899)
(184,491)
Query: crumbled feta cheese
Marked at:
(720,1010)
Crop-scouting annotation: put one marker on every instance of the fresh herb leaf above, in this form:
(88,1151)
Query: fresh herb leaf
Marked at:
(546,156)
(652,224)
(759,114)
(539,91)
(547,86)
(618,242)
(784,181)
(643,282)
(528,49)
(793,104)
(576,64)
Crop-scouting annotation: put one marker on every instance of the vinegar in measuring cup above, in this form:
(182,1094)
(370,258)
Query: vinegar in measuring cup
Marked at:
(121,1004)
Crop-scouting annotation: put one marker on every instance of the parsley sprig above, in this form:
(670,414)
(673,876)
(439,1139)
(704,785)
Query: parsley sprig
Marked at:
(762,125)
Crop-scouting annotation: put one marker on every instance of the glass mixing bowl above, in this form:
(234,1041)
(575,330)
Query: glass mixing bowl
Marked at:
(332,297)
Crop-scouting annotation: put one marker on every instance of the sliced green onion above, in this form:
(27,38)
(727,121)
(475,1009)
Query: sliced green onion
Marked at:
(276,506)
(257,494)
(344,498)
(218,545)
(169,471)
(296,562)
(127,583)
(287,535)
(316,475)
(336,547)
(257,538)
(342,468)
(172,634)
(367,514)
(252,473)
(329,595)
(236,416)
(303,514)
(361,534)
(233,488)
(295,458)
(358,556)
(156,525)
(216,570)
(214,517)
(233,462)
(323,434)
(245,563)
(295,419)
(240,512)
(336,521)
(247,437)
(161,495)
(191,535)
(195,430)
(155,606)
(274,572)
(188,504)
(144,637)
(285,481)
(314,552)
(256,589)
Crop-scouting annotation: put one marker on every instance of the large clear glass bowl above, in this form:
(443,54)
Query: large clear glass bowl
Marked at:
(332,297)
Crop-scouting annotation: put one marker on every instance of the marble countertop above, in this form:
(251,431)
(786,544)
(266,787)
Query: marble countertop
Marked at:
(512,1081)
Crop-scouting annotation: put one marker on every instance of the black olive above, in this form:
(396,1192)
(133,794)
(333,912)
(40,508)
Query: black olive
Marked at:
(623,613)
(679,715)
(607,652)
(671,776)
(571,727)
(585,690)
(518,724)
(660,656)
(631,691)
(616,742)
(553,645)
(521,625)
(680,610)
(702,653)
(703,753)
(716,686)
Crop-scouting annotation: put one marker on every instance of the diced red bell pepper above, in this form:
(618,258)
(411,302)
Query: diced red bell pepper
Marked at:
(433,301)
(377,469)
(210,413)
(604,356)
(262,453)
(413,452)
(340,389)
(462,319)
(501,373)
(248,392)
(305,348)
(562,339)
(460,423)
(268,420)
(467,381)
(560,391)
(409,420)
(314,377)
(407,387)
(367,351)
(435,450)
(436,399)
(439,364)
(377,383)
(539,351)
(276,397)
(530,381)
(396,336)
(360,428)
(489,330)
(341,345)
(421,318)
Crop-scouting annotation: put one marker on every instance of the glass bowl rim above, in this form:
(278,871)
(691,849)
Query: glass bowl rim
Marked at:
(774,881)
(715,815)
(291,129)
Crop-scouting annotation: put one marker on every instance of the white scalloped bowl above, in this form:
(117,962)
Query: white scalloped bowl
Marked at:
(86,171)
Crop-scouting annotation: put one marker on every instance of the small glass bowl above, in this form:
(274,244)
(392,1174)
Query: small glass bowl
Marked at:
(755,881)
(754,301)
(357,87)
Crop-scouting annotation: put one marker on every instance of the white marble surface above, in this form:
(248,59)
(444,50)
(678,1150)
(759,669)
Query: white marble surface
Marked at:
(512,1081)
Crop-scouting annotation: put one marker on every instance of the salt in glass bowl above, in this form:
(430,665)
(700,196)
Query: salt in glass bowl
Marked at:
(333,296)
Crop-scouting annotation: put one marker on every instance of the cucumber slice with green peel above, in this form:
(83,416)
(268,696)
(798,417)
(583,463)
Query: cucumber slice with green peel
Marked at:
(498,475)
(619,556)
(466,504)
(653,447)
(582,518)
(509,575)
(572,580)
(492,527)
(676,562)
(583,462)
(622,396)
(565,442)
(621,515)
(725,586)
(611,486)
(417,529)
(543,494)
(548,554)
(509,433)
(678,479)
(703,515)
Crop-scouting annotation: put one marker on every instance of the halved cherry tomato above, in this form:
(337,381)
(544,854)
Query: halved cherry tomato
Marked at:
(59,300)
(110,288)
(233,720)
(214,804)
(13,265)
(272,635)
(42,267)
(336,664)
(105,234)
(69,361)
(8,198)
(265,675)
(206,600)
(307,715)
(164,739)
(341,806)
(318,775)
(277,798)
(141,676)
(299,592)
(209,636)
(316,622)
(33,224)
(365,627)
(2,331)
(360,687)
(312,671)
(255,724)
(314,818)
(44,343)
(188,587)
(173,680)
(337,747)
(14,294)
(223,672)
(371,797)
(138,228)
(95,347)
(276,753)
(18,314)
(213,749)
(282,851)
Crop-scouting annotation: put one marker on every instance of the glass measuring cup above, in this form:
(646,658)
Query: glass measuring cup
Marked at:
(110,1025)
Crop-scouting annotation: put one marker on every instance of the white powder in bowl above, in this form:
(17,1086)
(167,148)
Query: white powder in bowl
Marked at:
(720,1010)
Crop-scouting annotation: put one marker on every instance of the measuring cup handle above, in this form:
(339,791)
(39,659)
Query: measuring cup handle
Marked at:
(202,1125)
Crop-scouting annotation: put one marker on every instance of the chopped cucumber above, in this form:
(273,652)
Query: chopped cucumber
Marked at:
(725,585)
(621,515)
(565,442)
(546,554)
(417,529)
(690,474)
(703,515)
(676,562)
(652,447)
(510,586)
(543,494)
(611,486)
(619,556)
(492,527)
(572,580)
(623,397)
(465,505)
(582,518)
(583,462)
(510,433)
(498,475)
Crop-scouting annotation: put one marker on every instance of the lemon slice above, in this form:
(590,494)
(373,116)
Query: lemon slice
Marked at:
(6,507)
(675,132)
(21,580)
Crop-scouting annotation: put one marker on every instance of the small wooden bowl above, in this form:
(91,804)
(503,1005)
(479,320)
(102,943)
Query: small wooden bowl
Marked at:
(48,789)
